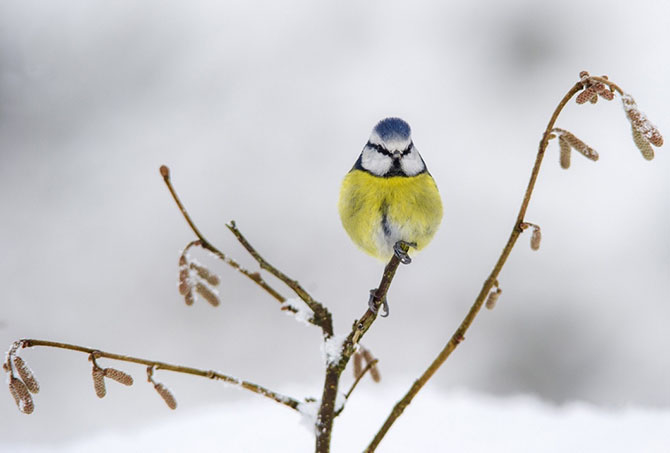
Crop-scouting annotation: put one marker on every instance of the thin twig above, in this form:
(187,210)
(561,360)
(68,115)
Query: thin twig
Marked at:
(204,243)
(98,354)
(367,368)
(322,316)
(517,229)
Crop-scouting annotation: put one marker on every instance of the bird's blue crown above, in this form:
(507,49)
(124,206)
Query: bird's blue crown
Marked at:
(390,129)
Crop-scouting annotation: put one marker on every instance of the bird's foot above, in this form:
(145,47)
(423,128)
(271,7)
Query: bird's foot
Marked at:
(372,305)
(402,255)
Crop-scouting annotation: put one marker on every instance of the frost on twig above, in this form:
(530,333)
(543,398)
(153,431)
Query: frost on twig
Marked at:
(299,310)
(332,349)
(309,411)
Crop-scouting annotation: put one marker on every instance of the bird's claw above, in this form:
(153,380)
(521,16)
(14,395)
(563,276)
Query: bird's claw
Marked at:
(402,255)
(373,306)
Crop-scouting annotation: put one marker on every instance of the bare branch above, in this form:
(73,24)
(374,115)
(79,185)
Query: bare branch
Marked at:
(96,354)
(368,367)
(204,243)
(322,316)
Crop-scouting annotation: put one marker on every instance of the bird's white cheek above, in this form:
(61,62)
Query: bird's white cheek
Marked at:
(375,163)
(412,164)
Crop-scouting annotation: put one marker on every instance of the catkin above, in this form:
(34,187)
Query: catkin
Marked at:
(374,371)
(586,95)
(565,153)
(579,145)
(643,145)
(205,274)
(535,238)
(492,299)
(118,376)
(358,364)
(26,375)
(166,395)
(184,286)
(21,395)
(188,298)
(603,91)
(207,294)
(99,382)
(640,122)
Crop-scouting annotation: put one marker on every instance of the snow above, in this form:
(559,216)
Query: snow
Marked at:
(309,410)
(436,421)
(332,348)
(302,314)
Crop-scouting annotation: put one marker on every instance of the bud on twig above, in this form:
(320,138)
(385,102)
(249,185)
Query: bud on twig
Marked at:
(165,171)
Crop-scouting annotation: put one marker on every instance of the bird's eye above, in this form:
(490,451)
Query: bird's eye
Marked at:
(379,148)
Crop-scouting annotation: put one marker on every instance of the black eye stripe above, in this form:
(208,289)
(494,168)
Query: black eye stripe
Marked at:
(386,152)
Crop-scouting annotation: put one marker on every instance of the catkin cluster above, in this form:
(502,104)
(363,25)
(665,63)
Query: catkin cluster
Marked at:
(644,132)
(22,386)
(194,278)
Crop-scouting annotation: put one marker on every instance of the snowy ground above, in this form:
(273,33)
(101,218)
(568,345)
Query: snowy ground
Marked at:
(458,421)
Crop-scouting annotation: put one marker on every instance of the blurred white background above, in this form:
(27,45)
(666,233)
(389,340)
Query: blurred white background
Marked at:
(260,108)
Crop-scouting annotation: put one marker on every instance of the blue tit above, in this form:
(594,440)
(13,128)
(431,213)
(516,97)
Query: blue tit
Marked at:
(389,198)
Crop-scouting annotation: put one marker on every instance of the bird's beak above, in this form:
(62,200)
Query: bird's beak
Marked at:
(397,155)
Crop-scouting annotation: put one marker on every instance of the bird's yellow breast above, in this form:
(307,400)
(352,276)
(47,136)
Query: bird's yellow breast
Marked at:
(377,212)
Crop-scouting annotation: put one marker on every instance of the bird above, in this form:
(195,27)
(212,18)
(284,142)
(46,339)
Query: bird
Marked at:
(389,202)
